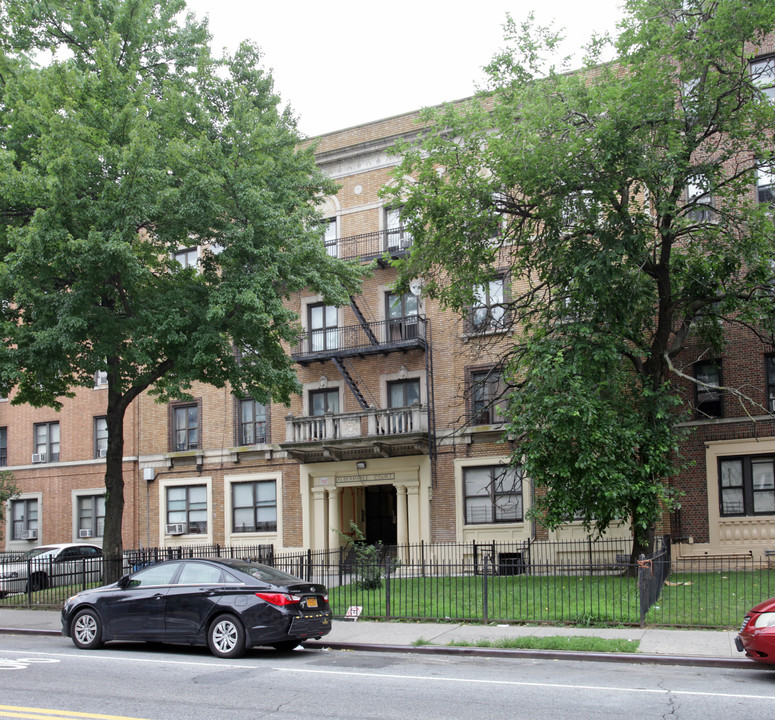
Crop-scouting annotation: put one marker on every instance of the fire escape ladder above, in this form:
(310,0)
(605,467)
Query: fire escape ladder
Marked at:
(345,373)
(364,324)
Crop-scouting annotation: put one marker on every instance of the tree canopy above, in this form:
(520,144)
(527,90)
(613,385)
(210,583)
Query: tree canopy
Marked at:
(123,142)
(620,200)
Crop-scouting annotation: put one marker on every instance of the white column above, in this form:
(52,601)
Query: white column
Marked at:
(402,531)
(334,518)
(413,513)
(319,518)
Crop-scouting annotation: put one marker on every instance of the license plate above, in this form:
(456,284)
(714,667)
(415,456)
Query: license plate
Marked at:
(312,602)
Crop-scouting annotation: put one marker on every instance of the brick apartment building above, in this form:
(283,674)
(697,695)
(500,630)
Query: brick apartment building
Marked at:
(395,429)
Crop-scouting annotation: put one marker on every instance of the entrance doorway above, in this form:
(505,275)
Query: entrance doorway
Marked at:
(381,514)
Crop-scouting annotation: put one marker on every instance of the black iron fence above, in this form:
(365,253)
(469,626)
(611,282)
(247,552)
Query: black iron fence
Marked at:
(581,582)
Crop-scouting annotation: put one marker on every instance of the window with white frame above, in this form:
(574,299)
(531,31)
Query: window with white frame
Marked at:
(46,442)
(699,199)
(254,506)
(184,419)
(397,236)
(403,316)
(186,257)
(763,75)
(488,312)
(100,437)
(485,393)
(91,516)
(331,236)
(100,378)
(492,494)
(765,183)
(252,422)
(747,485)
(24,519)
(323,322)
(3,446)
(187,506)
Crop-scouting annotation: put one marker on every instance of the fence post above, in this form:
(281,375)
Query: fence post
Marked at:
(644,581)
(387,588)
(485,573)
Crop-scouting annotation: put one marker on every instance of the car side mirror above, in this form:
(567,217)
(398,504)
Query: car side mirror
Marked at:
(123,581)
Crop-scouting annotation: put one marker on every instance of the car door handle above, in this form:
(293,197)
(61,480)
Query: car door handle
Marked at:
(158,596)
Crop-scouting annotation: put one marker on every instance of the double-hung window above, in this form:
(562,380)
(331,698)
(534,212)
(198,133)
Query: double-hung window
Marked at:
(330,237)
(769,371)
(187,506)
(485,394)
(763,76)
(100,437)
(398,237)
(699,199)
(323,402)
(24,519)
(488,312)
(747,485)
(91,516)
(185,427)
(765,183)
(46,442)
(708,401)
(323,325)
(252,422)
(186,257)
(3,446)
(403,313)
(254,506)
(492,494)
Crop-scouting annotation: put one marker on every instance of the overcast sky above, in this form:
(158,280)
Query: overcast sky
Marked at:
(341,63)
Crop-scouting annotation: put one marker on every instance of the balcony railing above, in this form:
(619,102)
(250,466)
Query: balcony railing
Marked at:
(394,241)
(372,423)
(373,337)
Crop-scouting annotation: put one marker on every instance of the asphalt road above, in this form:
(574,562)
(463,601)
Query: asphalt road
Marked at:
(45,677)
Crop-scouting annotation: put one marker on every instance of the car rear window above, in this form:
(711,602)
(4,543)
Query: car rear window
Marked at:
(266,573)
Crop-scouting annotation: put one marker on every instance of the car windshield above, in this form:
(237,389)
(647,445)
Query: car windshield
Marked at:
(266,573)
(36,552)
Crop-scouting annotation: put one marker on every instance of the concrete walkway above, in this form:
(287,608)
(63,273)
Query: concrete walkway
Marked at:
(685,647)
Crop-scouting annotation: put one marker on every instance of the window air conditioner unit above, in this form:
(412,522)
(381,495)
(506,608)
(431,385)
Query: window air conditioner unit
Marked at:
(102,452)
(176,528)
(30,535)
(38,457)
(84,533)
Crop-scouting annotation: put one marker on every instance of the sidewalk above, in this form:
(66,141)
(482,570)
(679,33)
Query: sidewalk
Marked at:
(685,647)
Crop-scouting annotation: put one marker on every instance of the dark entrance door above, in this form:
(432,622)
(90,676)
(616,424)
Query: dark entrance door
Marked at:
(381,514)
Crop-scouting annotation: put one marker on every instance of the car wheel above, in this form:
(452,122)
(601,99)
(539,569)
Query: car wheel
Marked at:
(286,645)
(38,581)
(86,630)
(226,637)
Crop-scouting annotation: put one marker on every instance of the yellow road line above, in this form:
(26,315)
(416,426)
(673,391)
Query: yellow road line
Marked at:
(47,714)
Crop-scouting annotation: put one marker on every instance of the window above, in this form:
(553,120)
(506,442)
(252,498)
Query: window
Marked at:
(398,237)
(254,506)
(403,312)
(765,183)
(24,519)
(252,422)
(155,575)
(100,378)
(493,494)
(699,199)
(100,437)
(91,516)
(747,485)
(185,427)
(3,446)
(323,330)
(330,237)
(763,76)
(187,505)
(488,311)
(403,393)
(485,393)
(769,369)
(46,442)
(322,402)
(187,257)
(708,401)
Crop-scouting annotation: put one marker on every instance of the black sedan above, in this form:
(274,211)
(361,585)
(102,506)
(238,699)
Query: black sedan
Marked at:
(227,604)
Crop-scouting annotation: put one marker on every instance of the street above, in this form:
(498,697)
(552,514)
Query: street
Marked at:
(45,677)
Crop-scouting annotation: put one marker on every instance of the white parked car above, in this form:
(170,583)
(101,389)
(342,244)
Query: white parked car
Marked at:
(51,565)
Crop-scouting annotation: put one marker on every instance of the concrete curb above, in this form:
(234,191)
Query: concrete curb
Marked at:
(635,658)
(470,651)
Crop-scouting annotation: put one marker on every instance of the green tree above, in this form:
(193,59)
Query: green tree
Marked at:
(8,491)
(620,198)
(130,143)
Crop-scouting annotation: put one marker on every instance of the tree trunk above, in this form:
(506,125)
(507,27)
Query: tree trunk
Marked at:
(112,545)
(642,544)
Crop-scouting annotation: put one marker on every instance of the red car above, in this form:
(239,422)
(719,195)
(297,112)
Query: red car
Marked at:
(757,634)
